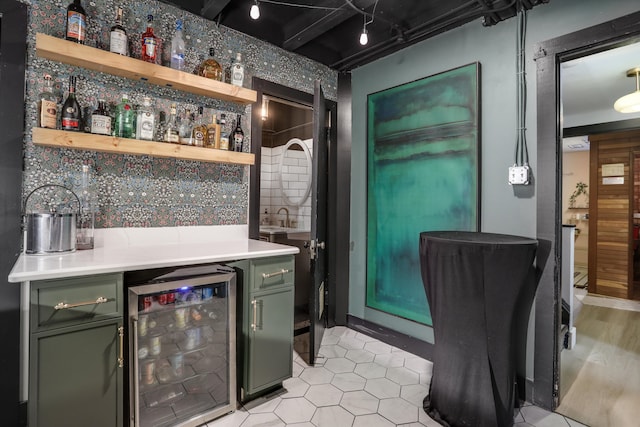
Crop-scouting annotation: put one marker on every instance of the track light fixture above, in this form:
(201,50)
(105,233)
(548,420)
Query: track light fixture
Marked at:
(254,13)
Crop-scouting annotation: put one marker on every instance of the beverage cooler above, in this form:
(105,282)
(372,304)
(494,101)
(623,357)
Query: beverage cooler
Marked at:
(182,355)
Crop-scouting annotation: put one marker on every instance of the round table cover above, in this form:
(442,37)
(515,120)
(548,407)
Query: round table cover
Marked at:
(474,284)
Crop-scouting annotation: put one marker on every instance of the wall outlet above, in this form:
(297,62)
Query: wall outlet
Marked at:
(519,175)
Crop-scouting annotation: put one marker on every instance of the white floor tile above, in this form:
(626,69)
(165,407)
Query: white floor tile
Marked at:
(377,347)
(382,388)
(414,394)
(295,387)
(370,370)
(360,356)
(332,416)
(348,381)
(398,411)
(360,403)
(263,420)
(373,420)
(403,376)
(323,395)
(296,410)
(340,365)
(316,376)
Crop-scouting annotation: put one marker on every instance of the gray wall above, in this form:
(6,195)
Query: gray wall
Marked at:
(504,209)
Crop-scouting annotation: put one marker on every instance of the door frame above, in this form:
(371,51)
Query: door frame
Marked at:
(545,390)
(262,86)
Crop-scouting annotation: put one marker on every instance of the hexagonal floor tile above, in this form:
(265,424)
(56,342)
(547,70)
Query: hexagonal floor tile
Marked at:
(340,365)
(377,347)
(332,416)
(370,370)
(414,393)
(314,376)
(398,411)
(418,365)
(330,351)
(360,356)
(390,360)
(263,420)
(348,381)
(294,387)
(402,376)
(359,402)
(382,388)
(351,343)
(373,420)
(296,410)
(323,395)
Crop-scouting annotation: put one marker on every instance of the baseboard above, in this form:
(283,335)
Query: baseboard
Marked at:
(397,339)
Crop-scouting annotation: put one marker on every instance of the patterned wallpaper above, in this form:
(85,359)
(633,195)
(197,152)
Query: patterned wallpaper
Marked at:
(142,191)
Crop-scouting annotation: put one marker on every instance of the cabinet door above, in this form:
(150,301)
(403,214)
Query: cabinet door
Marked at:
(75,378)
(271,339)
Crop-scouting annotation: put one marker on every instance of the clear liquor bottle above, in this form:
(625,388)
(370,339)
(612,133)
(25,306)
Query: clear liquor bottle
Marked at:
(71,111)
(150,43)
(171,132)
(237,71)
(146,120)
(199,133)
(118,42)
(177,48)
(86,221)
(210,68)
(185,128)
(47,105)
(125,119)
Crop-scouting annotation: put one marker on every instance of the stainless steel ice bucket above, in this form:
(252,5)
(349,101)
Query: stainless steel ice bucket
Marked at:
(50,232)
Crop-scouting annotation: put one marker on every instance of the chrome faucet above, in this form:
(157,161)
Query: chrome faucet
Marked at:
(286,222)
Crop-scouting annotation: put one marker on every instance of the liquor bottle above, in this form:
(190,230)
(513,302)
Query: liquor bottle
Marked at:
(237,136)
(86,221)
(118,41)
(76,28)
(47,105)
(210,68)
(125,119)
(213,134)
(71,111)
(101,120)
(149,43)
(224,138)
(171,134)
(177,48)
(199,133)
(146,121)
(237,71)
(185,128)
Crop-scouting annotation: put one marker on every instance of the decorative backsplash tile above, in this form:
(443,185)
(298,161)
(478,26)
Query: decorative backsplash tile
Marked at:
(142,191)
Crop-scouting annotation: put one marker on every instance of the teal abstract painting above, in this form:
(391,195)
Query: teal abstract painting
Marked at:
(423,161)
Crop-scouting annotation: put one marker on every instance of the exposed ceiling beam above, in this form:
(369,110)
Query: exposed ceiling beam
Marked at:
(212,8)
(316,22)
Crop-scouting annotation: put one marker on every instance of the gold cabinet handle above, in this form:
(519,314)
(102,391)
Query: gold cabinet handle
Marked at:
(64,305)
(121,356)
(254,319)
(277,273)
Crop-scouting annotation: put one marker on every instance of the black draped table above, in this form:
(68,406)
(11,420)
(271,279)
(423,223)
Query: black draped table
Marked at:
(475,284)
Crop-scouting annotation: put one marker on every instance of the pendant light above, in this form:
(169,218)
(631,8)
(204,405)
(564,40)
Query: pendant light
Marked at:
(630,103)
(254,13)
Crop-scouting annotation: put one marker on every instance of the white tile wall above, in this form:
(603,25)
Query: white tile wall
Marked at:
(295,174)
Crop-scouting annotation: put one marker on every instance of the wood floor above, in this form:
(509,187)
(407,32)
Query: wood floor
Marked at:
(600,376)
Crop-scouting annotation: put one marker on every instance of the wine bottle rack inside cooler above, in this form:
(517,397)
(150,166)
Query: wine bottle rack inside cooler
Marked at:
(182,351)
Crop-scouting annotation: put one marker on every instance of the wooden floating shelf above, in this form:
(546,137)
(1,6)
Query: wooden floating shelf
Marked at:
(112,63)
(111,144)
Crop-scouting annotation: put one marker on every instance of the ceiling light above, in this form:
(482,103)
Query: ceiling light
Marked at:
(254,13)
(364,38)
(630,103)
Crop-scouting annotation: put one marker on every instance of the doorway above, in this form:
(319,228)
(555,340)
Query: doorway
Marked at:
(291,135)
(550,55)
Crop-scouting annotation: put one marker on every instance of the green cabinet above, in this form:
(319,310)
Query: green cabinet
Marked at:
(76,352)
(265,326)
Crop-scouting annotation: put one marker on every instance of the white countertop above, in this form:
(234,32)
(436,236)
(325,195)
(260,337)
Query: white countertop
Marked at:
(126,249)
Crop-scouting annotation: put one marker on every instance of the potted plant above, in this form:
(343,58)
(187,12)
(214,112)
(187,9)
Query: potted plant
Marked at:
(581,189)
